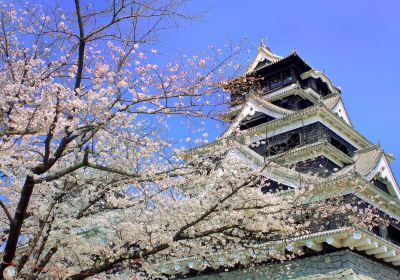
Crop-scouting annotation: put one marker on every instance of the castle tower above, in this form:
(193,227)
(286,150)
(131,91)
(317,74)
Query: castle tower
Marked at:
(296,118)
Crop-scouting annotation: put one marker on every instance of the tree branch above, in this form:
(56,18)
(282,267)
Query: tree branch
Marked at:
(6,211)
(82,42)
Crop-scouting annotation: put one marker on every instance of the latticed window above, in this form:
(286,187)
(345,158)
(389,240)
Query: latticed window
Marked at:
(275,81)
(302,136)
(287,76)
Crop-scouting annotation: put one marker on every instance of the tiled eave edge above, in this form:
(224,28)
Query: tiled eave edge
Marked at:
(281,171)
(318,109)
(356,239)
(293,53)
(305,152)
(270,96)
(320,74)
(285,91)
(291,89)
(345,185)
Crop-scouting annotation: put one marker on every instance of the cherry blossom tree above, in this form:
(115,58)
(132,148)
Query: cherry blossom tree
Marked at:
(91,183)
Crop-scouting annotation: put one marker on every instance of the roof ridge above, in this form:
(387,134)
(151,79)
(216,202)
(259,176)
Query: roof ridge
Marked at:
(278,60)
(270,105)
(368,149)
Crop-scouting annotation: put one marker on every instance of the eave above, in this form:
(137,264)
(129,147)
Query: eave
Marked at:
(352,183)
(320,75)
(270,96)
(276,94)
(343,238)
(293,56)
(319,110)
(321,148)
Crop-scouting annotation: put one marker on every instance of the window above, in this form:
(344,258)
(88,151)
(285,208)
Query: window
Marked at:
(287,76)
(393,234)
(379,183)
(293,141)
(275,81)
(256,121)
(339,146)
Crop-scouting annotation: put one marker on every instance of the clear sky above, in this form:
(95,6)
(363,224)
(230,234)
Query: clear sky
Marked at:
(356,43)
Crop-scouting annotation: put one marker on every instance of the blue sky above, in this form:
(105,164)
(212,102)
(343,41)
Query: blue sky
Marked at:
(356,43)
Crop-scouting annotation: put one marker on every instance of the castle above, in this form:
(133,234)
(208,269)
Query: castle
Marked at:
(298,119)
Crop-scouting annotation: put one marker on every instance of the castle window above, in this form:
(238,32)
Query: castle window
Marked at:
(293,141)
(380,184)
(393,234)
(257,120)
(275,81)
(337,144)
(305,135)
(287,76)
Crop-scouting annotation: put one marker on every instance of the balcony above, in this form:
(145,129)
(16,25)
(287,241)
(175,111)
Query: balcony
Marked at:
(305,135)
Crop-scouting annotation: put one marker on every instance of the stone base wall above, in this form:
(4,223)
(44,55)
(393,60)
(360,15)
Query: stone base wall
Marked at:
(344,265)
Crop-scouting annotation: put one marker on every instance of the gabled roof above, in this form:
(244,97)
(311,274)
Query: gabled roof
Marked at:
(324,113)
(336,105)
(277,172)
(370,163)
(264,55)
(367,159)
(373,162)
(320,75)
(304,152)
(331,102)
(270,96)
(256,104)
(266,58)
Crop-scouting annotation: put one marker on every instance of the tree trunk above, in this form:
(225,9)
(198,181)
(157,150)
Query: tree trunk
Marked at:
(16,224)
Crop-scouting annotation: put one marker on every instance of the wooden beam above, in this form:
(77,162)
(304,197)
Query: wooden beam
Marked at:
(392,259)
(363,242)
(373,245)
(294,249)
(379,250)
(390,253)
(396,263)
(167,271)
(182,268)
(314,246)
(196,265)
(355,237)
(334,242)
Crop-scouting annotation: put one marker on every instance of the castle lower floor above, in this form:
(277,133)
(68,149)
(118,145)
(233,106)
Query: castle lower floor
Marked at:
(344,265)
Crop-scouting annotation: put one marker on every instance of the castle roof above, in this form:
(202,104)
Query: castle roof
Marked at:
(362,169)
(265,58)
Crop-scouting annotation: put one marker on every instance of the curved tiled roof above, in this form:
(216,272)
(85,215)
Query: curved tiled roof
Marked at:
(292,54)
(256,104)
(367,159)
(263,52)
(320,75)
(357,239)
(331,102)
(271,106)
